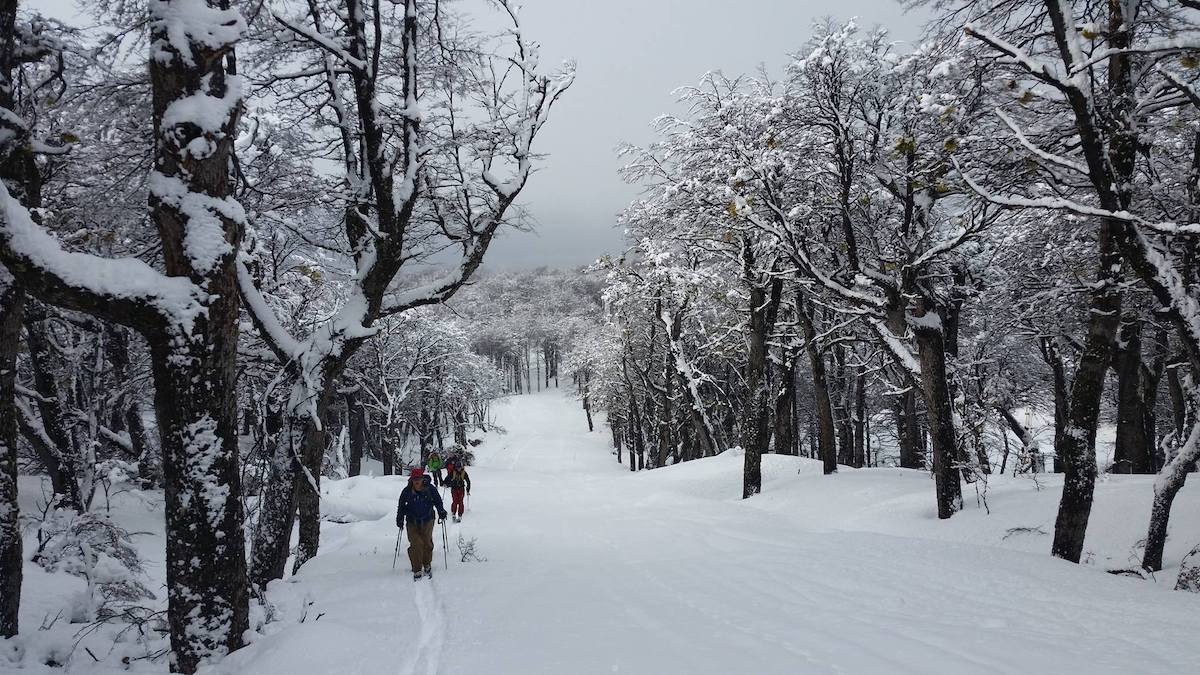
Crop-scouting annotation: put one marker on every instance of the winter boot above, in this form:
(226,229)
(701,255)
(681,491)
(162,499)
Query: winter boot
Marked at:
(429,572)
(417,576)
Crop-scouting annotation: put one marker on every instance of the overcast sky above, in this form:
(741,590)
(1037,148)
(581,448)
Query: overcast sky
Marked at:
(631,55)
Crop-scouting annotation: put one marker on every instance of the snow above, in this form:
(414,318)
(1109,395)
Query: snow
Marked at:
(176,298)
(204,240)
(592,569)
(210,113)
(186,21)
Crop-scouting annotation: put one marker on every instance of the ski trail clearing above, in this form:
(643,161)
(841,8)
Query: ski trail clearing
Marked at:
(592,569)
(431,620)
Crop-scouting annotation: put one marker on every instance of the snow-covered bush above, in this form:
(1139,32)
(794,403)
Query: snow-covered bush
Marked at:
(95,548)
(1189,572)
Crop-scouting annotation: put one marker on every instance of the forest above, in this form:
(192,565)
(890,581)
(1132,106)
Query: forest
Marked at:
(244,254)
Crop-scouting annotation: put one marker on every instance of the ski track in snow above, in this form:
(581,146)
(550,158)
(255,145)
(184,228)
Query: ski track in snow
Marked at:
(432,624)
(591,569)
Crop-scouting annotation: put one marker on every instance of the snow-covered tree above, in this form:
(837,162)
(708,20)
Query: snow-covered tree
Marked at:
(188,313)
(426,121)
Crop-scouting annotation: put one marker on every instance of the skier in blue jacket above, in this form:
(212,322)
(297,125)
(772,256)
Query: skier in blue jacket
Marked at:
(419,500)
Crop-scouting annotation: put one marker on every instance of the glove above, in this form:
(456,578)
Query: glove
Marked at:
(442,516)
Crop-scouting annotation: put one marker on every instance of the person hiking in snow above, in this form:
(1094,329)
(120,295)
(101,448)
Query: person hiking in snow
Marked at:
(455,460)
(435,465)
(419,500)
(459,482)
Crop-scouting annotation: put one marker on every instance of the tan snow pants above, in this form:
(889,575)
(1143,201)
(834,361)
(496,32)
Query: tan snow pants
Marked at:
(420,545)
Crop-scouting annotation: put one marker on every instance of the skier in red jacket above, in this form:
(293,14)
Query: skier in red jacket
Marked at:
(460,483)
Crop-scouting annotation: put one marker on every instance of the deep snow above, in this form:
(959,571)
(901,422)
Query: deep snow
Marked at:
(592,569)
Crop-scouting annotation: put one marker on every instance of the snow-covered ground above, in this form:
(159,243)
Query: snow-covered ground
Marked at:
(591,569)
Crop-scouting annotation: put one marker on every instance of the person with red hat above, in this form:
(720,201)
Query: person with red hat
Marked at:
(419,500)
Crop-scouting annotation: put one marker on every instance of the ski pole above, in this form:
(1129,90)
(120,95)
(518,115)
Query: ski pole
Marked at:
(397,553)
(445,546)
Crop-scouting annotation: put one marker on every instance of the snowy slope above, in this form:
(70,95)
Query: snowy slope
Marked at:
(591,569)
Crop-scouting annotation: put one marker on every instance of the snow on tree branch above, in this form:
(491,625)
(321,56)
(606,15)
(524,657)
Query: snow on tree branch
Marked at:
(117,288)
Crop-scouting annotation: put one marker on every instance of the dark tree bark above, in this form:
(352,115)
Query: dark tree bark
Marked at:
(358,433)
(308,485)
(190,320)
(940,415)
(1169,483)
(839,394)
(701,422)
(785,441)
(764,303)
(617,445)
(1178,400)
(1078,448)
(194,372)
(587,402)
(127,415)
(635,448)
(11,303)
(1134,451)
(460,427)
(860,417)
(1062,398)
(908,431)
(668,445)
(823,410)
(61,458)
(386,449)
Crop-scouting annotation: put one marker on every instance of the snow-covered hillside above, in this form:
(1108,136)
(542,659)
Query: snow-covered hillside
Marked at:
(588,568)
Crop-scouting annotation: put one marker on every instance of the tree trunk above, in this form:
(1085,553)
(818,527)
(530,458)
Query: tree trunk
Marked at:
(1029,446)
(12,300)
(1062,400)
(1079,437)
(61,458)
(636,446)
(907,430)
(928,334)
(697,412)
(860,417)
(587,405)
(666,440)
(1178,399)
(1134,451)
(762,320)
(358,433)
(16,169)
(149,459)
(617,444)
(839,395)
(784,402)
(826,445)
(308,484)
(1168,484)
(387,450)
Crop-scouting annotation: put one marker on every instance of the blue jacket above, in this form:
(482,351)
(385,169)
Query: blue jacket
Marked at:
(419,506)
